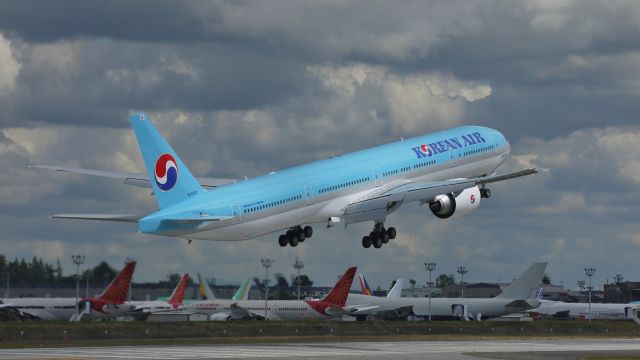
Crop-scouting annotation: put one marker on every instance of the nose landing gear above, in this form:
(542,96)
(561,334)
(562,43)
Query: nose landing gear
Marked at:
(378,236)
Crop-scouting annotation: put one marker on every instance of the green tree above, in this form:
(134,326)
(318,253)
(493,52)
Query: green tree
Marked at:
(546,279)
(102,273)
(443,280)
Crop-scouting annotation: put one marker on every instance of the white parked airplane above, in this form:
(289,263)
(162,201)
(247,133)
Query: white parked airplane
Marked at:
(515,298)
(599,311)
(64,308)
(330,306)
(447,170)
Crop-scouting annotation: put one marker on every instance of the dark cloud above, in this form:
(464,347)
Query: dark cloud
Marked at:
(242,88)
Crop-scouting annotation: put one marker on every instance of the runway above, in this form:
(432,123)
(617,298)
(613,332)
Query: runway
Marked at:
(492,349)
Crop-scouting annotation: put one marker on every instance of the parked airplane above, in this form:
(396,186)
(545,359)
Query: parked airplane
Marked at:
(64,308)
(174,301)
(447,170)
(394,292)
(515,298)
(331,306)
(599,311)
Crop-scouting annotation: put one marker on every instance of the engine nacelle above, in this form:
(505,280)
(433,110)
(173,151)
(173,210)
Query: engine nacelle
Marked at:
(219,317)
(451,206)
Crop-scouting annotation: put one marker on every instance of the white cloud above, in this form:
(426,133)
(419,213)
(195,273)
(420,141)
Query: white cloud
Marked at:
(412,99)
(9,67)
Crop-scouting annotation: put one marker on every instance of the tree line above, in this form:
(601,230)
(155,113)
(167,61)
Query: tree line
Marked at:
(21,272)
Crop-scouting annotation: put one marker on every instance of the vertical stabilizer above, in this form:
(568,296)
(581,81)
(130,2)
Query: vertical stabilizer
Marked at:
(529,280)
(243,291)
(364,286)
(116,292)
(171,180)
(396,290)
(205,290)
(338,295)
(178,293)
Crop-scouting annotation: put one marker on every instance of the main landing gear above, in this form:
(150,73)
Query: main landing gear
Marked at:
(378,236)
(295,235)
(485,193)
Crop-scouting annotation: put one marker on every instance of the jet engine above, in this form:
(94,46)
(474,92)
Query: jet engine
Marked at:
(219,317)
(452,205)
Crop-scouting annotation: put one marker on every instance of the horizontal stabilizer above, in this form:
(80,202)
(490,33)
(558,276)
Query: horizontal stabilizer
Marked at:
(133,179)
(101,217)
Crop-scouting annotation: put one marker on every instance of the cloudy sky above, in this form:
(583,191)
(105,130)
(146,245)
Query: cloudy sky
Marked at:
(242,88)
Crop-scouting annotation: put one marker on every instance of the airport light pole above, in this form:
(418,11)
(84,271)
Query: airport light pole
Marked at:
(78,260)
(298,265)
(8,274)
(430,266)
(266,263)
(589,272)
(462,270)
(618,279)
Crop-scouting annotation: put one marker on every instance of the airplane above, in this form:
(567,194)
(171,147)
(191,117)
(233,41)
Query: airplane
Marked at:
(329,307)
(599,311)
(241,294)
(175,301)
(65,308)
(448,171)
(394,292)
(514,298)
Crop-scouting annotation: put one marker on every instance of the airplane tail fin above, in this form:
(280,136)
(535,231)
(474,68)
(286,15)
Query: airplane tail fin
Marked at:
(338,295)
(364,286)
(396,290)
(178,293)
(171,180)
(522,286)
(243,291)
(205,290)
(116,292)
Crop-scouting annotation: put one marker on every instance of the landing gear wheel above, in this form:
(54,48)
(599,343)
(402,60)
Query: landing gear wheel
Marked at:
(289,235)
(392,233)
(308,231)
(385,237)
(485,193)
(300,236)
(293,241)
(366,242)
(377,242)
(282,240)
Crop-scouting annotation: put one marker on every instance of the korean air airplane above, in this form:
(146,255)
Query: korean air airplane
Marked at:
(447,171)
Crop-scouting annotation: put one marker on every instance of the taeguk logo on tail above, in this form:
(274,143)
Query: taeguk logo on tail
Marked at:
(166,172)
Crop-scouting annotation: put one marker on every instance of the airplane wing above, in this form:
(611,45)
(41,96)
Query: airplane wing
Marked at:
(240,313)
(133,179)
(385,199)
